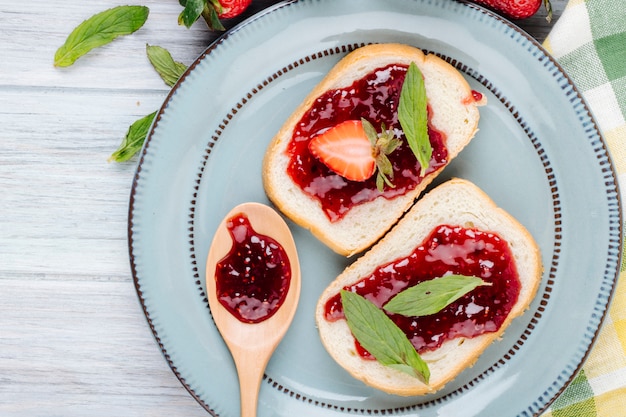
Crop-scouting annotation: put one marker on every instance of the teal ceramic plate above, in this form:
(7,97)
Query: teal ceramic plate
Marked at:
(538,154)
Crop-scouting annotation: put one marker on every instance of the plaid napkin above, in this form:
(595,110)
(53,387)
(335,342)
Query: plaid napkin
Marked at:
(589,41)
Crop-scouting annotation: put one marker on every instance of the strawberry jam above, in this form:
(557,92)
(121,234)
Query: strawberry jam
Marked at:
(252,280)
(474,98)
(375,98)
(448,250)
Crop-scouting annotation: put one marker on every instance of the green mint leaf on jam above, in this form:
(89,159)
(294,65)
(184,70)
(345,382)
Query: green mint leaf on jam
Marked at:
(413,116)
(99,30)
(134,139)
(381,337)
(430,297)
(169,70)
(383,144)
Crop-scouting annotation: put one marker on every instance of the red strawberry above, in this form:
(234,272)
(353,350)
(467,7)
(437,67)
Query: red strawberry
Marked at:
(232,8)
(346,150)
(515,9)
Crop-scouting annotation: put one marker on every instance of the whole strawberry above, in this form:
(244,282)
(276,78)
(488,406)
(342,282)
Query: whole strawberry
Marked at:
(232,8)
(515,9)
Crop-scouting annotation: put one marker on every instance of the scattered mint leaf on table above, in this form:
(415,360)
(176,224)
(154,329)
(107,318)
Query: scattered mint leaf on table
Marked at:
(413,115)
(162,61)
(430,297)
(381,337)
(170,71)
(134,139)
(99,30)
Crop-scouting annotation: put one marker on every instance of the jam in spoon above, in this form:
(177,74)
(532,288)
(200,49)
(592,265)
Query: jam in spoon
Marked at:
(253,287)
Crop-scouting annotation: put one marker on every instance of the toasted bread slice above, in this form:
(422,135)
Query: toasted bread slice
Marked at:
(456,202)
(454,113)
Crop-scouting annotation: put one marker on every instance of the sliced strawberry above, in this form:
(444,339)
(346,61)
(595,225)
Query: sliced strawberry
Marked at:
(345,150)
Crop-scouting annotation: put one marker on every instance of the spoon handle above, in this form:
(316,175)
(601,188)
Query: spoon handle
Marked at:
(250,369)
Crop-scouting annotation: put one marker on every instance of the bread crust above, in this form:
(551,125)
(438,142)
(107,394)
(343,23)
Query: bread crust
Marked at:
(454,113)
(455,202)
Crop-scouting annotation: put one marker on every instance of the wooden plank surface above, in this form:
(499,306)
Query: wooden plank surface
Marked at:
(73,338)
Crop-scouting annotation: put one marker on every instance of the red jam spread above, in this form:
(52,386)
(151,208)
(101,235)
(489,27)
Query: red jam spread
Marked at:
(474,98)
(448,250)
(476,95)
(252,280)
(375,98)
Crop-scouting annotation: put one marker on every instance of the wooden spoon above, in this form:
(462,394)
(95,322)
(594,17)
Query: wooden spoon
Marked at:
(252,344)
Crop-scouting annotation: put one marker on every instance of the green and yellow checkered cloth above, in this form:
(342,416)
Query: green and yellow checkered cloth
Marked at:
(589,41)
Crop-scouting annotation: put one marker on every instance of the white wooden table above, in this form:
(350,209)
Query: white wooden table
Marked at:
(73,337)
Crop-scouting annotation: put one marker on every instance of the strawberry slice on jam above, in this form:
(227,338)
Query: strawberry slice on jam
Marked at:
(346,150)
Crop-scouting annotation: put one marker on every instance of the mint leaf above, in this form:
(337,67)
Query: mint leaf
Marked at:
(99,30)
(430,297)
(381,337)
(169,70)
(135,137)
(413,116)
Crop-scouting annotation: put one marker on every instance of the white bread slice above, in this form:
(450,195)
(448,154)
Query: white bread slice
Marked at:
(455,114)
(456,202)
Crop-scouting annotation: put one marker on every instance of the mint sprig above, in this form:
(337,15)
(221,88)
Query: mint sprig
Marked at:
(98,30)
(432,296)
(413,116)
(381,337)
